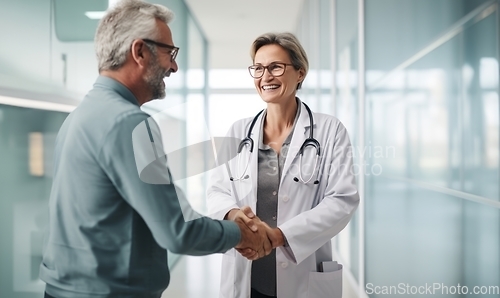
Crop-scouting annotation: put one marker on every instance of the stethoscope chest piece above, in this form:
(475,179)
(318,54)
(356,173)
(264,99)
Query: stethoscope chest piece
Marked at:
(312,142)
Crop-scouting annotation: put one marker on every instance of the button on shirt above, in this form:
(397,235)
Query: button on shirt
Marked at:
(269,175)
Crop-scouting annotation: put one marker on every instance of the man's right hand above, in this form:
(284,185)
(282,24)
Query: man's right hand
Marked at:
(257,241)
(246,214)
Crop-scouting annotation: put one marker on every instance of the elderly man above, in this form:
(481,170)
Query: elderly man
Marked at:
(109,229)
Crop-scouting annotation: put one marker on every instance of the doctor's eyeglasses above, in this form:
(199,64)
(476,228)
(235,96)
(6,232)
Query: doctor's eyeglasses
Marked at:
(276,69)
(173,50)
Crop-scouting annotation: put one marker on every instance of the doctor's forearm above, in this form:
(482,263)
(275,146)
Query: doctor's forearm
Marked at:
(276,236)
(281,237)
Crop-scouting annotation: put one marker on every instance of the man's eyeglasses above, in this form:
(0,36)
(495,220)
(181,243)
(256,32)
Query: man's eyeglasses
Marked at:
(276,69)
(173,50)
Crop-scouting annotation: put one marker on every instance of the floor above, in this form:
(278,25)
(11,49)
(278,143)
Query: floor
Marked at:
(195,277)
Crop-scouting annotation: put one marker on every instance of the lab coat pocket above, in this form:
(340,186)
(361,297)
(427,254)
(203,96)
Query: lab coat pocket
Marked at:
(325,284)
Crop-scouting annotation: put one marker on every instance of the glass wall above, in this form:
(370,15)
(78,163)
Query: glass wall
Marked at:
(417,88)
(51,51)
(346,109)
(437,191)
(44,72)
(335,46)
(27,138)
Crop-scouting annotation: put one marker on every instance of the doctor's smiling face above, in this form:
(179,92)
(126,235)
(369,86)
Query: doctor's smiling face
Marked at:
(279,78)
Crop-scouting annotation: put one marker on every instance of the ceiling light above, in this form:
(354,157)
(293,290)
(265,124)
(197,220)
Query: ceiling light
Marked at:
(95,15)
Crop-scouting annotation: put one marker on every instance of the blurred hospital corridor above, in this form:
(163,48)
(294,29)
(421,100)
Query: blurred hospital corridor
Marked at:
(415,84)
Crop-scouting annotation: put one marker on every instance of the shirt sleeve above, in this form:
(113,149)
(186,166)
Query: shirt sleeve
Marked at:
(132,156)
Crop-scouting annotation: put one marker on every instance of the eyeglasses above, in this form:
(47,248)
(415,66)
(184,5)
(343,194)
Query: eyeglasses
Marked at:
(276,69)
(173,50)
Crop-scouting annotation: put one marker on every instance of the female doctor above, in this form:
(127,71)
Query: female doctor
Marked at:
(293,169)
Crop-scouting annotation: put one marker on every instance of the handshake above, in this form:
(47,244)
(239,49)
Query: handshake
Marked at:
(257,238)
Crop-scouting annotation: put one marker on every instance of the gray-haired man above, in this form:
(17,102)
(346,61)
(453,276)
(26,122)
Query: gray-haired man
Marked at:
(109,230)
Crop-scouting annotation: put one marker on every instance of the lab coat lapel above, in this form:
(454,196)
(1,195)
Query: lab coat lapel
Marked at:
(300,133)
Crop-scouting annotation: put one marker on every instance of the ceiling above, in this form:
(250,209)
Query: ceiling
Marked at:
(232,25)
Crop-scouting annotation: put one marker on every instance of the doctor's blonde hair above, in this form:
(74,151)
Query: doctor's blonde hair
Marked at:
(289,43)
(127,21)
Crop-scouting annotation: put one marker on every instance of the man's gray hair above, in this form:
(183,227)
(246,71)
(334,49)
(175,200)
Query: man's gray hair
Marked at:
(127,21)
(289,43)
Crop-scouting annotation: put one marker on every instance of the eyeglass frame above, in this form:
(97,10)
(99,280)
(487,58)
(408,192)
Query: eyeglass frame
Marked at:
(268,70)
(173,53)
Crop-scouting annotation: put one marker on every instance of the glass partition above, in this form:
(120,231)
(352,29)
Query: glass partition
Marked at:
(27,138)
(431,139)
(346,109)
(436,107)
(331,86)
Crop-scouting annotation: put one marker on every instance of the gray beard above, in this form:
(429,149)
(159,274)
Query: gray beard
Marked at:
(154,79)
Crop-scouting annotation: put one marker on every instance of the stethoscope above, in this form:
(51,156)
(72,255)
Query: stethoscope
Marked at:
(311,141)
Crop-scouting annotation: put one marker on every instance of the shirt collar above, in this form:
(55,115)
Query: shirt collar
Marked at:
(110,83)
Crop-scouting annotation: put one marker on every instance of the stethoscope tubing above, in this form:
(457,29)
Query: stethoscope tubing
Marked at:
(311,141)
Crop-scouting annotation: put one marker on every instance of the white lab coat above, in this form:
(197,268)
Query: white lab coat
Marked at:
(309,215)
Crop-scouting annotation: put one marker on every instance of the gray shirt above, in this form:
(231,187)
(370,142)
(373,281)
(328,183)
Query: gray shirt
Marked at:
(269,175)
(109,230)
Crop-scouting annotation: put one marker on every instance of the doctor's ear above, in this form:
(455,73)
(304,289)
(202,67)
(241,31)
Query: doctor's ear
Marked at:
(302,75)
